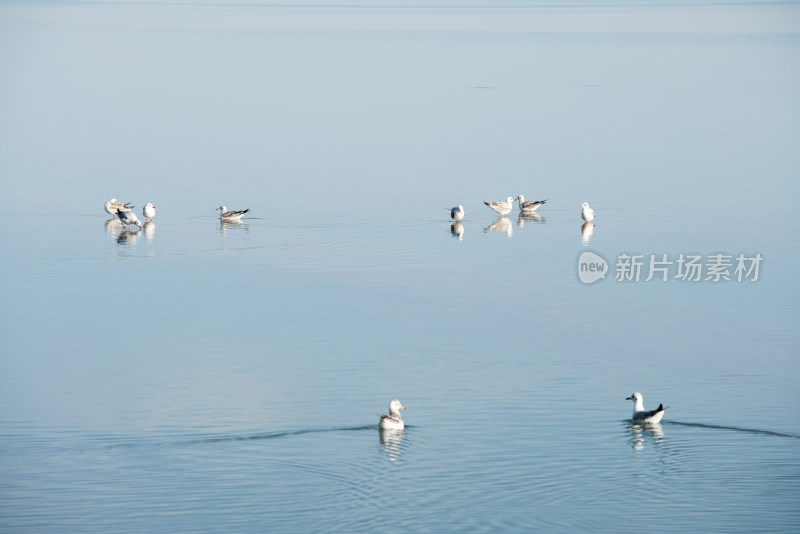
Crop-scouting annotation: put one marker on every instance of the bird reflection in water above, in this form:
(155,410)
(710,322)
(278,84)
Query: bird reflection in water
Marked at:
(501,225)
(149,229)
(113,227)
(531,216)
(128,237)
(392,443)
(586,232)
(232,224)
(457,229)
(642,433)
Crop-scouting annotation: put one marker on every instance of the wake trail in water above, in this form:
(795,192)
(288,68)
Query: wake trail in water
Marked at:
(733,428)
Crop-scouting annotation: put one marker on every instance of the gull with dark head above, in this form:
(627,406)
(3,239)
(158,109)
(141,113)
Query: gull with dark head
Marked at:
(640,415)
(530,205)
(457,213)
(502,207)
(587,213)
(393,421)
(128,218)
(225,214)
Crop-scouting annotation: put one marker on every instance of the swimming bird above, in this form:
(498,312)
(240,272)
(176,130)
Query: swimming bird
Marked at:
(457,213)
(587,213)
(502,207)
(642,416)
(128,218)
(393,421)
(225,214)
(149,211)
(531,205)
(112,206)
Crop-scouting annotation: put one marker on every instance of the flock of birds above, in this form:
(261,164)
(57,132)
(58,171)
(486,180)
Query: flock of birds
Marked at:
(393,421)
(504,207)
(124,212)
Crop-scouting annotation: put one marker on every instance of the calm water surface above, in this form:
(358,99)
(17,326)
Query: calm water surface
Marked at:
(198,376)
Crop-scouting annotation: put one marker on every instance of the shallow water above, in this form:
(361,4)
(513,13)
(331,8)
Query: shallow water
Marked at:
(201,376)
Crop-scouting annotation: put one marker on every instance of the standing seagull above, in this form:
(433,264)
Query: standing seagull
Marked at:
(500,206)
(457,213)
(587,213)
(128,218)
(225,214)
(642,416)
(393,421)
(112,206)
(149,211)
(529,206)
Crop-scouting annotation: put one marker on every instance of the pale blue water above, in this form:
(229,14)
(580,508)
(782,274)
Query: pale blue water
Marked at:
(199,377)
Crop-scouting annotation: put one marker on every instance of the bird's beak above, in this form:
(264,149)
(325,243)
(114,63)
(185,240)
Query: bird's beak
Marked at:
(629,398)
(403,407)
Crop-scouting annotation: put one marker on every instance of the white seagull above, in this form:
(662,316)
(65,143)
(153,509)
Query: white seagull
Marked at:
(112,206)
(587,213)
(225,214)
(531,205)
(149,211)
(502,207)
(457,213)
(642,416)
(393,421)
(128,218)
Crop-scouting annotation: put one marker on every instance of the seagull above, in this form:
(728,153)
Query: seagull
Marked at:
(502,207)
(642,416)
(128,218)
(149,211)
(225,214)
(393,421)
(112,206)
(531,205)
(457,213)
(587,213)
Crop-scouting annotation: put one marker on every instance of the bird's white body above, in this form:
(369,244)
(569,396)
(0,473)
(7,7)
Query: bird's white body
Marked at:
(587,213)
(640,415)
(393,421)
(502,207)
(529,206)
(112,206)
(128,218)
(149,211)
(225,214)
(457,213)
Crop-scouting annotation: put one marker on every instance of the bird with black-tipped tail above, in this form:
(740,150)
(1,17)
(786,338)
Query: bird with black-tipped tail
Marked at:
(640,415)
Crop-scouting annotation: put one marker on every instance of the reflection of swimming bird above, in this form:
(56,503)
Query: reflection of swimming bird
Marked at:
(457,229)
(502,207)
(530,205)
(528,216)
(393,421)
(128,218)
(587,213)
(639,413)
(587,229)
(225,214)
(112,206)
(149,211)
(501,225)
(457,213)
